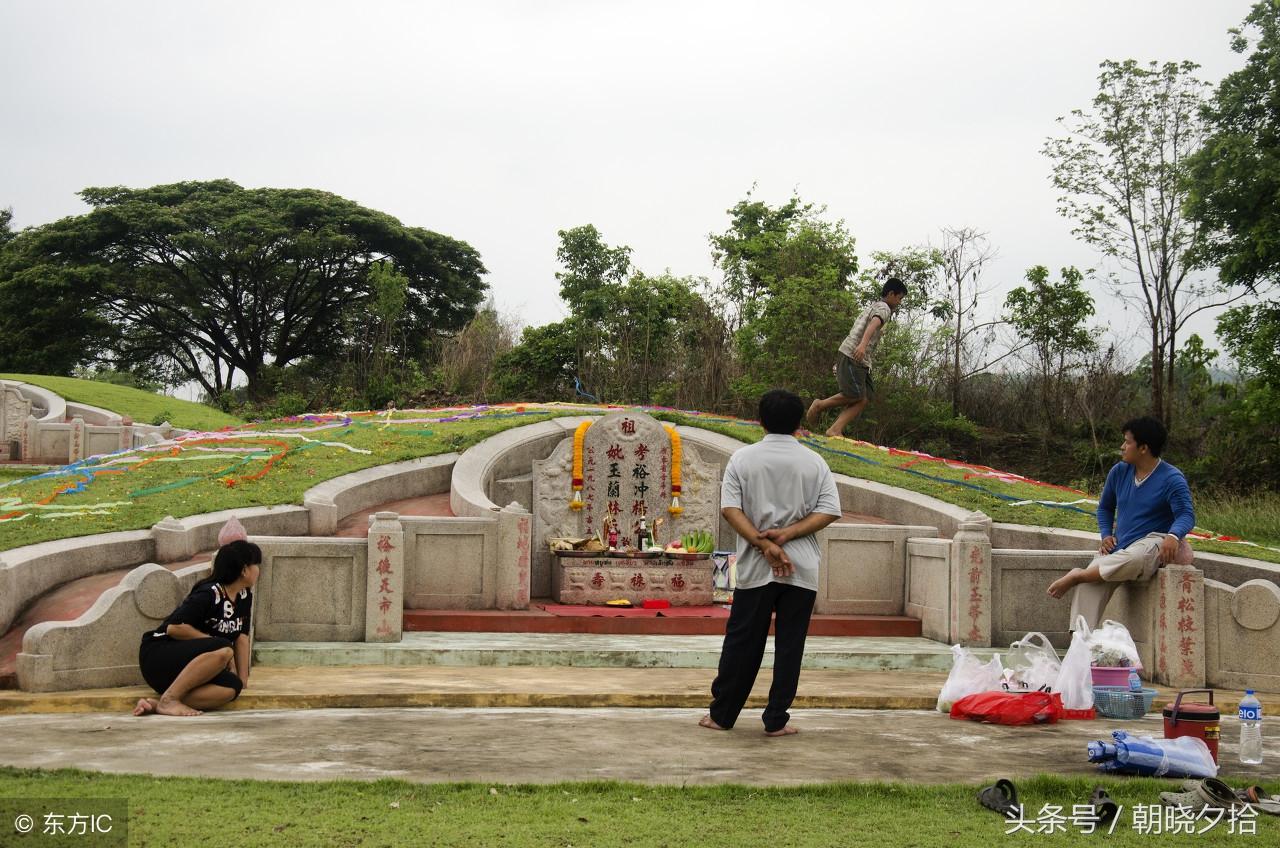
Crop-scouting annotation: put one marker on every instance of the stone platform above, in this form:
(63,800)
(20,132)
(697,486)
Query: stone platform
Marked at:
(605,621)
(590,650)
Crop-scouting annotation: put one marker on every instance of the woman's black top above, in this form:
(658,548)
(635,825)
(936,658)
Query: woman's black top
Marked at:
(211,611)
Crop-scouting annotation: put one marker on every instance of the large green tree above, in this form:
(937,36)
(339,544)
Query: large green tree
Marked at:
(1051,318)
(1234,179)
(1122,172)
(766,245)
(787,293)
(624,337)
(1234,184)
(227,281)
(46,326)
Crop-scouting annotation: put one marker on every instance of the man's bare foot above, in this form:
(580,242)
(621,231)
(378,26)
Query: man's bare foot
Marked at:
(812,414)
(786,731)
(1059,587)
(706,722)
(174,707)
(834,435)
(145,706)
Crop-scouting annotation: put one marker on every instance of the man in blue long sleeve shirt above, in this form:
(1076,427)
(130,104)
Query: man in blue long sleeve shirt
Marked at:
(1144,516)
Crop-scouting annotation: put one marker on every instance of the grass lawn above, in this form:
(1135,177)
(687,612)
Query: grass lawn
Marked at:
(20,472)
(142,407)
(191,483)
(136,495)
(190,811)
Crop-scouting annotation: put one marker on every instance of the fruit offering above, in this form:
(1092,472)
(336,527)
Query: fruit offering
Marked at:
(698,542)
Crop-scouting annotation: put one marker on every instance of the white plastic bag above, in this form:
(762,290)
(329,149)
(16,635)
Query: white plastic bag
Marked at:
(1075,681)
(1112,646)
(969,675)
(1032,663)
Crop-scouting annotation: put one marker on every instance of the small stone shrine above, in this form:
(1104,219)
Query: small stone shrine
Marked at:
(626,462)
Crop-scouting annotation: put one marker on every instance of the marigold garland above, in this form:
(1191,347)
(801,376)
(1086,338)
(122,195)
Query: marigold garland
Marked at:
(579,435)
(676,457)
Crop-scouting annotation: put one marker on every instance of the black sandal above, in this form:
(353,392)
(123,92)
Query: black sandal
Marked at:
(1001,797)
(1104,809)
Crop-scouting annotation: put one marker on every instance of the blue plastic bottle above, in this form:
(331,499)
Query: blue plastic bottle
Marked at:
(1135,682)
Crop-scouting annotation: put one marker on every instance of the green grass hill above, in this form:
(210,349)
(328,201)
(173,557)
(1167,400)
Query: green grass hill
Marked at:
(142,407)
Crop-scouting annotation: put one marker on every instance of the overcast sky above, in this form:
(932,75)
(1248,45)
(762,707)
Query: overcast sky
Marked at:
(500,123)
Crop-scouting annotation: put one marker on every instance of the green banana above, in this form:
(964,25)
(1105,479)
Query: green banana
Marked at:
(698,542)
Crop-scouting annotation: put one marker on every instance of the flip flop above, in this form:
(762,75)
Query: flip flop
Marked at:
(1257,798)
(1001,797)
(1104,809)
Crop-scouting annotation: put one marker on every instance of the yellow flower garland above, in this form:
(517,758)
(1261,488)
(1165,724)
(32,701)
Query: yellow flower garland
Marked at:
(676,455)
(579,435)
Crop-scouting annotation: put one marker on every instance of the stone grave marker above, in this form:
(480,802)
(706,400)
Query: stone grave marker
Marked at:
(626,474)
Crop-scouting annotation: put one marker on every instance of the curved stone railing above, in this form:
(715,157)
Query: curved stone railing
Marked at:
(28,572)
(333,500)
(46,406)
(100,648)
(509,451)
(93,415)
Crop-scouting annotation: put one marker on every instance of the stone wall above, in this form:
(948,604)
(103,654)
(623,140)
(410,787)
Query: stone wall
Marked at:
(311,590)
(928,581)
(450,563)
(1019,602)
(333,500)
(864,568)
(1242,635)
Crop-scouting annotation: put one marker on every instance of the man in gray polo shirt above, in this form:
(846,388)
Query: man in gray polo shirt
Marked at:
(776,494)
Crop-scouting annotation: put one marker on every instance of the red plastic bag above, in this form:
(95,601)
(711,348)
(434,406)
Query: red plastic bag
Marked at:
(1010,707)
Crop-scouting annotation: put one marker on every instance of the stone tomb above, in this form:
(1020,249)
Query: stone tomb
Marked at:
(626,474)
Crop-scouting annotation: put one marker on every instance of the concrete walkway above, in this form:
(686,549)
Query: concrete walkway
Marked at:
(531,745)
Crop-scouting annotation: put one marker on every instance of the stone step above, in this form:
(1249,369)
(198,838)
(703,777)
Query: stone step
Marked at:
(537,620)
(593,650)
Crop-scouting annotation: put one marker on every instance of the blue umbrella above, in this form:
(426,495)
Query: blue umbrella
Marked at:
(1142,755)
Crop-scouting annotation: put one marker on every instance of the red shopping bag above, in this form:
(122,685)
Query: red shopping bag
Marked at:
(1010,707)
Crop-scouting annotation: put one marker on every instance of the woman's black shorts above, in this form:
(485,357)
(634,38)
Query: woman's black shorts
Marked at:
(162,660)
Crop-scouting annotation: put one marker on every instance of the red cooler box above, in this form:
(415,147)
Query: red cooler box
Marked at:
(1202,721)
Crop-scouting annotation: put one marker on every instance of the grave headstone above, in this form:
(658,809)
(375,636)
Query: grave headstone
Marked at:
(626,473)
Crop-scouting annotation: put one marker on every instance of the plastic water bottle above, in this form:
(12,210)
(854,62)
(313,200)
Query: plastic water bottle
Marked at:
(1250,729)
(1135,682)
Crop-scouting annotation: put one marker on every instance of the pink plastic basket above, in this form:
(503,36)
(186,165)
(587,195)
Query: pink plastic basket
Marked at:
(1111,676)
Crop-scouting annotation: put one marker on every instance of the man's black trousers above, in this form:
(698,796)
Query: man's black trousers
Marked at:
(744,643)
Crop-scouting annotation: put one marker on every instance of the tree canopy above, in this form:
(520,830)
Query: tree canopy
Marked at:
(220,280)
(1235,178)
(1122,171)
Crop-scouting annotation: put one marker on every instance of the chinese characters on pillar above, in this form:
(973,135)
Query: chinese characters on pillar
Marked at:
(385,546)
